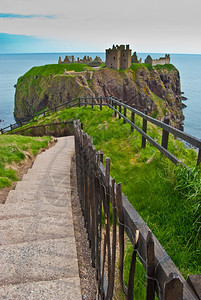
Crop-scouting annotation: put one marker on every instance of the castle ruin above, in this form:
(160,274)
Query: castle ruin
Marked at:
(119,57)
(160,61)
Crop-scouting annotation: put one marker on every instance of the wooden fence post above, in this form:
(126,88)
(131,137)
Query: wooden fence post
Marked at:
(85,102)
(79,101)
(124,113)
(114,213)
(199,157)
(107,220)
(115,112)
(150,268)
(101,103)
(132,119)
(92,102)
(173,289)
(165,134)
(119,109)
(11,127)
(132,268)
(144,128)
(121,234)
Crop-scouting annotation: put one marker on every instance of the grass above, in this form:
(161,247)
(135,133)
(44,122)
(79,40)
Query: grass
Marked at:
(166,196)
(13,149)
(53,69)
(169,67)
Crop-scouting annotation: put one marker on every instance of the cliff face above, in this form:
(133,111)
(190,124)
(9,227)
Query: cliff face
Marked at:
(156,89)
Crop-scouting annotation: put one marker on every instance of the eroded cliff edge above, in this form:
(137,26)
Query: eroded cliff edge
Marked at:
(155,88)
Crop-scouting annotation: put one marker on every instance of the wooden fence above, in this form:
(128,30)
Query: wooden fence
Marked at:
(53,129)
(100,196)
(120,109)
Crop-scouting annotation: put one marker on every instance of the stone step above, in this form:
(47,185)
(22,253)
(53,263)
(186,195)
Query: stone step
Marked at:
(62,289)
(40,197)
(32,228)
(53,177)
(38,261)
(42,186)
(23,210)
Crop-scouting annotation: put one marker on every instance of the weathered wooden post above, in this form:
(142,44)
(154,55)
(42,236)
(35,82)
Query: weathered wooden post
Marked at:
(121,233)
(199,157)
(165,134)
(115,105)
(85,102)
(79,101)
(107,218)
(132,268)
(144,128)
(150,268)
(11,127)
(119,109)
(132,118)
(173,289)
(44,114)
(101,101)
(124,112)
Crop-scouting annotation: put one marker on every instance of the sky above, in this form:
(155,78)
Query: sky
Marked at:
(28,26)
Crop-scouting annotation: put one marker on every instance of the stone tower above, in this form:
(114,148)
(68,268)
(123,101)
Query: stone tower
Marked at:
(119,57)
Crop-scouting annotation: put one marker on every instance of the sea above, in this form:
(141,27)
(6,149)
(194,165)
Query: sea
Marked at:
(12,66)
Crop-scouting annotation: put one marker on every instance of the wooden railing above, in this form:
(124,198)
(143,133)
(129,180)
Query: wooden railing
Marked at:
(53,129)
(120,109)
(100,196)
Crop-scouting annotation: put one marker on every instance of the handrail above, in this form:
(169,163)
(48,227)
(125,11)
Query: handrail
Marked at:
(97,193)
(113,103)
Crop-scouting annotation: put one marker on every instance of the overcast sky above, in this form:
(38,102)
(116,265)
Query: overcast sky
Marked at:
(167,26)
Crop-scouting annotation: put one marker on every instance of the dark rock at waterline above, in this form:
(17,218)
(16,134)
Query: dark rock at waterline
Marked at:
(184,105)
(15,85)
(184,98)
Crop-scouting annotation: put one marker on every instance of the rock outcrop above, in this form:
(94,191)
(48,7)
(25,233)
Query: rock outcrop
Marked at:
(156,89)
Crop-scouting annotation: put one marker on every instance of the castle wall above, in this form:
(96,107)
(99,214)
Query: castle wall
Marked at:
(113,58)
(161,61)
(125,59)
(118,57)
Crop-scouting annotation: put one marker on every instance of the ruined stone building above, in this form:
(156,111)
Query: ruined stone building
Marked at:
(160,61)
(119,57)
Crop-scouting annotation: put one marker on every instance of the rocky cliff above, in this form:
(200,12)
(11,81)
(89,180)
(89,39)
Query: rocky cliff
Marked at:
(155,88)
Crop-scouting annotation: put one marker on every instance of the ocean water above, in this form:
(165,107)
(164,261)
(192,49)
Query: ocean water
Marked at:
(12,66)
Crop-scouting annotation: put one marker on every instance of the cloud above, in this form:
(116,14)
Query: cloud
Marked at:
(19,16)
(145,25)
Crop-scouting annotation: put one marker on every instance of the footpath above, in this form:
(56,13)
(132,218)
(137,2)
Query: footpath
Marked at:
(38,258)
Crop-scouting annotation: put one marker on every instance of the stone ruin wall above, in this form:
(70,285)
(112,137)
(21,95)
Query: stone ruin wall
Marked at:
(161,60)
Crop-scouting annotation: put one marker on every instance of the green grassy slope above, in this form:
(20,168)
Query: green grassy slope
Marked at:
(13,149)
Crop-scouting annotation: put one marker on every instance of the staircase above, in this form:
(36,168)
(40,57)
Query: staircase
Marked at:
(38,258)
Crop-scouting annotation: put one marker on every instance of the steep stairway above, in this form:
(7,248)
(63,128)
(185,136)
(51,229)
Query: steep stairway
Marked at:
(38,258)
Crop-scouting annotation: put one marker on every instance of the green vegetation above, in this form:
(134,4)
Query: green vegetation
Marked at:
(169,67)
(54,69)
(13,149)
(137,66)
(166,196)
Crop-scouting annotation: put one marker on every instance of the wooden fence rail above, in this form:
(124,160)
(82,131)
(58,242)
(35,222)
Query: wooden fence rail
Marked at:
(113,104)
(101,198)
